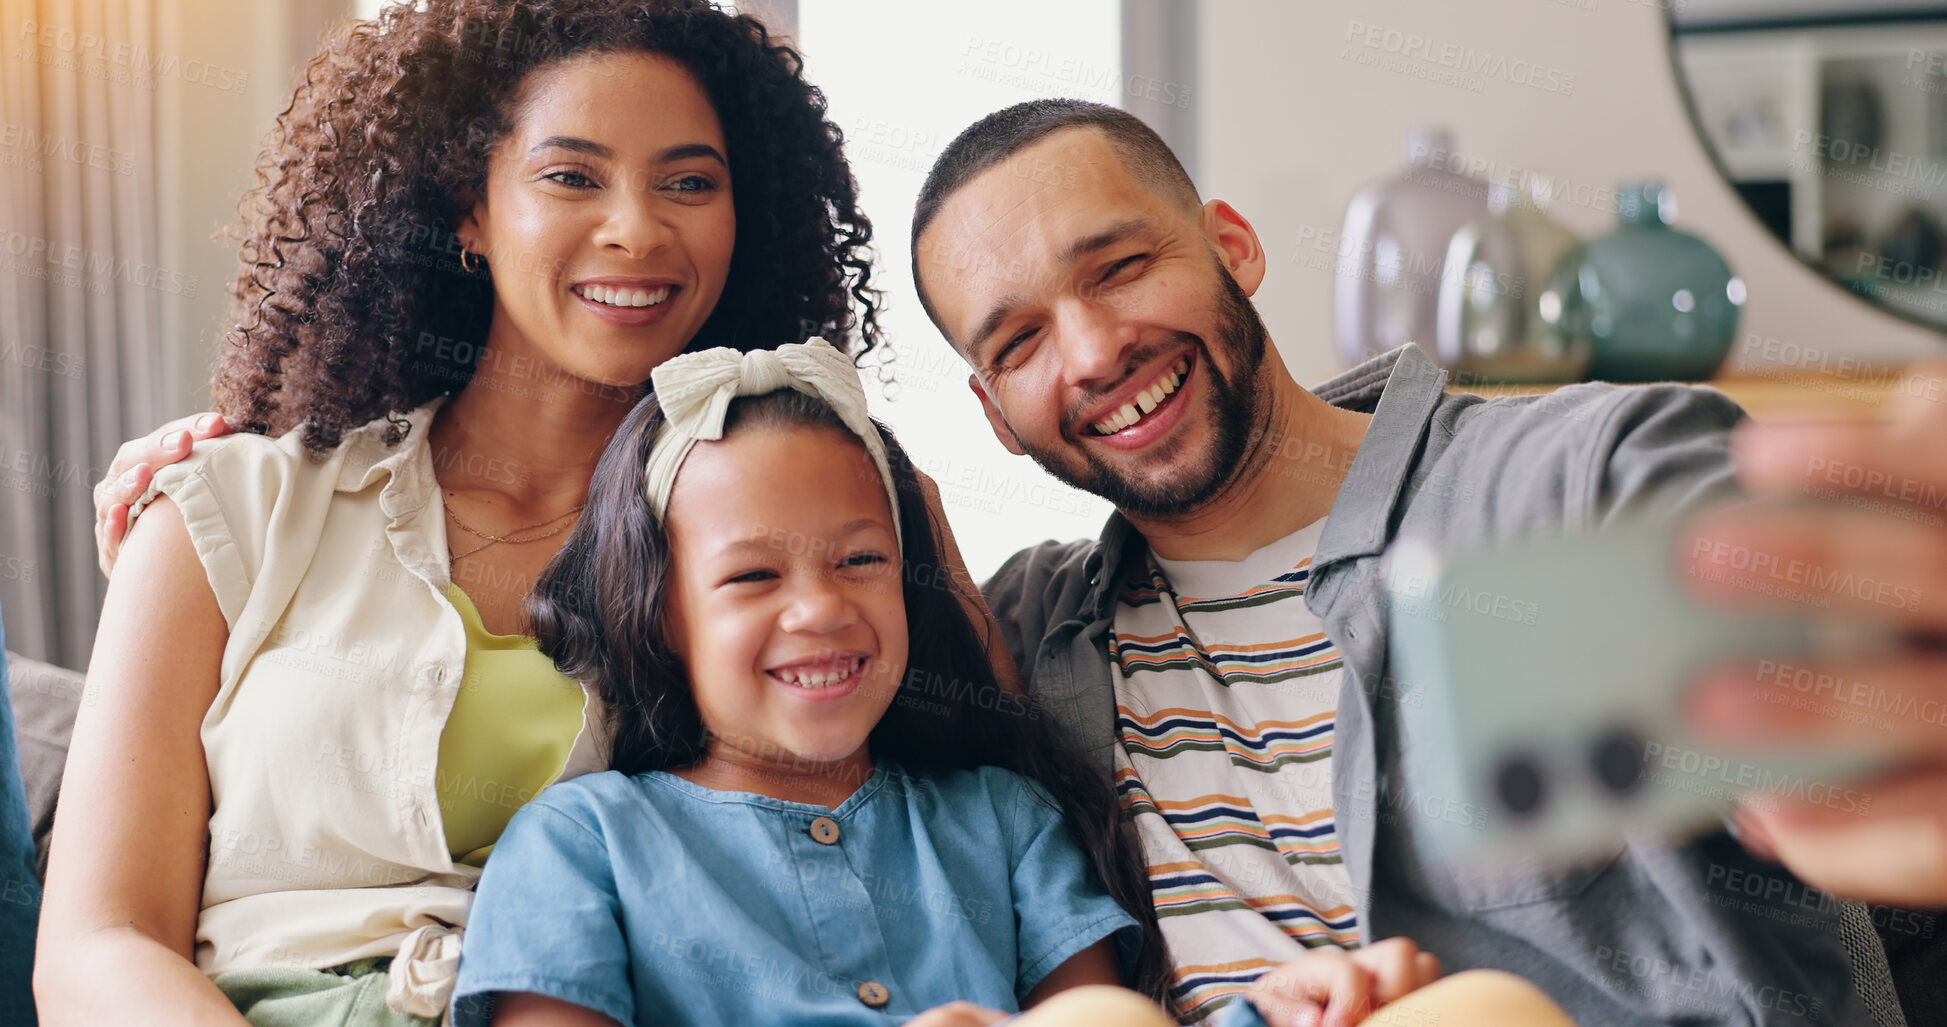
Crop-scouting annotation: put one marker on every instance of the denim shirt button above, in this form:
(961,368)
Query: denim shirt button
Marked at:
(874,994)
(824,831)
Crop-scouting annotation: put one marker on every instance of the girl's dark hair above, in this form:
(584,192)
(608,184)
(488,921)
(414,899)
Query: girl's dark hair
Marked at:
(351,304)
(598,612)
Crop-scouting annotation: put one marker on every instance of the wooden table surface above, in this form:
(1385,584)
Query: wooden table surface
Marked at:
(1787,394)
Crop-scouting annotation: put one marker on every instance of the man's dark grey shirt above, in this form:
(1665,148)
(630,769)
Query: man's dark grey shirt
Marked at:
(1658,935)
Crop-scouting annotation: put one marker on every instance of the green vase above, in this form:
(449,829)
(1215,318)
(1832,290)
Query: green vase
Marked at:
(1653,303)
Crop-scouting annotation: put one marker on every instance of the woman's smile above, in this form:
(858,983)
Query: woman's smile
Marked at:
(627,302)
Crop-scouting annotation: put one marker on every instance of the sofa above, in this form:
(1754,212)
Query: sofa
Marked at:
(45,700)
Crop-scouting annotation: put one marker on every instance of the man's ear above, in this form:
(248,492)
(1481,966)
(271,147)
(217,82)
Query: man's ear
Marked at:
(995,419)
(1236,242)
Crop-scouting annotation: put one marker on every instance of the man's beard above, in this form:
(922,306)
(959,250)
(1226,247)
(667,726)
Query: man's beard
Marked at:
(1236,407)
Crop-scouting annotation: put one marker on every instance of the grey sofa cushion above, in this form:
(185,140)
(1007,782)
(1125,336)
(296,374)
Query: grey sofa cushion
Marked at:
(45,699)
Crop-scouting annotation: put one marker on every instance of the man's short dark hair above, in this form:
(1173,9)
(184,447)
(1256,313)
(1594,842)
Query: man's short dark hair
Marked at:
(1004,133)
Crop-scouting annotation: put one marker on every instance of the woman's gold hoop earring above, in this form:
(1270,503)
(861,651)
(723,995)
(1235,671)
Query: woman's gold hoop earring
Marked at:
(466,261)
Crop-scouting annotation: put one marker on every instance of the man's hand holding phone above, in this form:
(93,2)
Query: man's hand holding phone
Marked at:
(1874,544)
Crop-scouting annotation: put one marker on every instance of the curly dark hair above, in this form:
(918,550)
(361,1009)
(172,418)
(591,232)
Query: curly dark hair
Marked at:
(351,305)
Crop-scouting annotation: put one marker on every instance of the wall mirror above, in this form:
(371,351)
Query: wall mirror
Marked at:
(1829,117)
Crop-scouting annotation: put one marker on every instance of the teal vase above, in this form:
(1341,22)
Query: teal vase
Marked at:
(1653,303)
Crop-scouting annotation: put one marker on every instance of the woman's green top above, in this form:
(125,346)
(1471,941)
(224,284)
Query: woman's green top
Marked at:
(507,738)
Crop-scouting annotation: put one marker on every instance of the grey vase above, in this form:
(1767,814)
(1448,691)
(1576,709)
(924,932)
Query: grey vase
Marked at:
(1392,248)
(1496,319)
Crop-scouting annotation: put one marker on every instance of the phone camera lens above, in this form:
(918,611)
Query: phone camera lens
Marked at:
(1519,785)
(1617,758)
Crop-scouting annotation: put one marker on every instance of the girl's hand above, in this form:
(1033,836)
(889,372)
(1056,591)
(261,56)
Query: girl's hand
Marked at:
(1331,987)
(128,477)
(957,1014)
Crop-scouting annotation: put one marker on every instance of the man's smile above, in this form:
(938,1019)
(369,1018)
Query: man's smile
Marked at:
(1146,409)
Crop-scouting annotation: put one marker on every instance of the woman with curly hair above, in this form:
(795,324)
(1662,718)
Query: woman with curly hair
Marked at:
(314,703)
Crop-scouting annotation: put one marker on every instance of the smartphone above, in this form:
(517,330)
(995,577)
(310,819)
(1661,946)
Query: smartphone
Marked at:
(1550,681)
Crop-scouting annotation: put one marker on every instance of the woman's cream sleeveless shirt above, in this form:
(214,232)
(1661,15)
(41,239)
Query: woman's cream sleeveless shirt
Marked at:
(343,661)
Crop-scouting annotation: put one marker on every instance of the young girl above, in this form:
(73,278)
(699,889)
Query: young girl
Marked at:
(823,808)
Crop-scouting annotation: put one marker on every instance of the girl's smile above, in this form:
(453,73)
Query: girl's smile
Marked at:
(822,678)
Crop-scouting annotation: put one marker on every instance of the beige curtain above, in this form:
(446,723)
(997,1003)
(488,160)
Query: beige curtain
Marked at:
(81,293)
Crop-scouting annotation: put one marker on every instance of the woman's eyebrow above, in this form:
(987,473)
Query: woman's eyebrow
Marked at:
(681,151)
(578,145)
(685,151)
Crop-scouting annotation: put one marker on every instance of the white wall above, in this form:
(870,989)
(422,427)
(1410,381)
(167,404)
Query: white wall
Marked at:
(208,139)
(1292,125)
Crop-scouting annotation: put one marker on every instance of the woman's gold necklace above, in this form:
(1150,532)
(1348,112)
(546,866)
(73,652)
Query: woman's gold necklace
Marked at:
(492,539)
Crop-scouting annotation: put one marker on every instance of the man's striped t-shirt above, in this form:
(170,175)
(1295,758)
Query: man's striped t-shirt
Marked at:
(1226,694)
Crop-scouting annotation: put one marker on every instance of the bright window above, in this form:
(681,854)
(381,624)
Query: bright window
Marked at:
(903,79)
